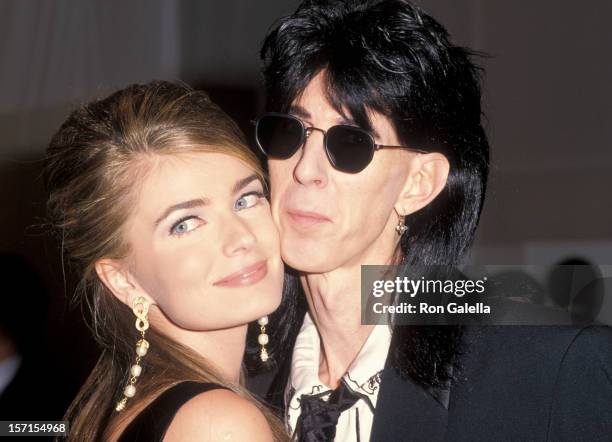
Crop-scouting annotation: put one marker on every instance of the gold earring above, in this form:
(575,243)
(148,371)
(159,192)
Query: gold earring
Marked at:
(140,307)
(263,338)
(401,227)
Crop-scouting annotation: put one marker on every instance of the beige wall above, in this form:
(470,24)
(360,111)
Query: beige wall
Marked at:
(547,97)
(549,105)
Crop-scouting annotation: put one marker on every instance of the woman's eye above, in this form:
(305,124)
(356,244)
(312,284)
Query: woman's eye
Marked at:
(248,200)
(185,225)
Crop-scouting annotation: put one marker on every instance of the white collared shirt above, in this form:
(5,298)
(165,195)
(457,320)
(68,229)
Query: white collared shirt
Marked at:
(363,376)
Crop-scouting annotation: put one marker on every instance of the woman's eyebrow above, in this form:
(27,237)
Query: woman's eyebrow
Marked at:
(190,204)
(199,202)
(242,183)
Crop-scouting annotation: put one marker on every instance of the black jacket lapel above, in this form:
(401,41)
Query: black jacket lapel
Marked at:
(407,412)
(275,398)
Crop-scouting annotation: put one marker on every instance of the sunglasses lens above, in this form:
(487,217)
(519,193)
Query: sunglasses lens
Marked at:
(350,149)
(279,136)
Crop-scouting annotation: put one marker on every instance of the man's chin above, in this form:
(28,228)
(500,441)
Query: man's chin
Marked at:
(308,262)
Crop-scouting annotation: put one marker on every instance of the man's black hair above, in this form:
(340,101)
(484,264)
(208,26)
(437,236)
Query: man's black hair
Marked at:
(393,58)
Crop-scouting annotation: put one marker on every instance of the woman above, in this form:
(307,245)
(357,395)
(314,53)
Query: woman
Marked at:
(162,209)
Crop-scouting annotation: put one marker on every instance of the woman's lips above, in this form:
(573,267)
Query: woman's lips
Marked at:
(247,276)
(307,219)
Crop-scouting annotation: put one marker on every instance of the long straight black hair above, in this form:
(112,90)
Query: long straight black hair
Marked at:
(393,58)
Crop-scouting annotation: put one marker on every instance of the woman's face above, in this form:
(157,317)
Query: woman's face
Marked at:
(203,243)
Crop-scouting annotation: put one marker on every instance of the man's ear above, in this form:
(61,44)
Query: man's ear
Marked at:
(426,179)
(116,277)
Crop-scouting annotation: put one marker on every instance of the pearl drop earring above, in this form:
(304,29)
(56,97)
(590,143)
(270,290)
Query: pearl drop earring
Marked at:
(263,338)
(140,307)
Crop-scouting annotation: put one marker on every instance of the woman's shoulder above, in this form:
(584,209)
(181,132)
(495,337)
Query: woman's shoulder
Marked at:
(219,414)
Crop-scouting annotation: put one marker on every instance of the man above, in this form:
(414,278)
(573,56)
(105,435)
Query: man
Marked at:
(377,155)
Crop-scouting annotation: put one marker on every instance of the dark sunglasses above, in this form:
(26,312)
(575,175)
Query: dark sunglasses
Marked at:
(349,149)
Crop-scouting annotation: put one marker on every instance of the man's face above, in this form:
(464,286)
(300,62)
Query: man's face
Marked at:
(330,219)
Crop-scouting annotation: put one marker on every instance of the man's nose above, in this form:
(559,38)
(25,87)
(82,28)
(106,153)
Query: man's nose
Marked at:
(312,166)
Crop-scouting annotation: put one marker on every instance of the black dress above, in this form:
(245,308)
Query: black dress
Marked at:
(152,423)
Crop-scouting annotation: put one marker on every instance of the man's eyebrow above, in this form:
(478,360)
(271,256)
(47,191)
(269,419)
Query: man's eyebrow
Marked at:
(197,202)
(351,122)
(347,121)
(241,184)
(299,111)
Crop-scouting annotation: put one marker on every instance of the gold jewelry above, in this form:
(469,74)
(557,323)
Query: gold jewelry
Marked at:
(140,307)
(401,227)
(263,338)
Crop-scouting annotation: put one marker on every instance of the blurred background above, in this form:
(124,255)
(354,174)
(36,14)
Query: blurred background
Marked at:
(548,95)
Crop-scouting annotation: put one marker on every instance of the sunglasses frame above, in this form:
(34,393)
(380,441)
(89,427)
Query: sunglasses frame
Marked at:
(307,131)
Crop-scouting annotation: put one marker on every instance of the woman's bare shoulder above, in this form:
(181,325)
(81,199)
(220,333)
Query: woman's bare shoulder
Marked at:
(219,415)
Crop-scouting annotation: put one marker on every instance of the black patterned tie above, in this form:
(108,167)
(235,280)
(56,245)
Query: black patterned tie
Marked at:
(318,418)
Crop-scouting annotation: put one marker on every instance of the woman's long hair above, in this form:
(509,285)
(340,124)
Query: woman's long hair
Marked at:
(93,167)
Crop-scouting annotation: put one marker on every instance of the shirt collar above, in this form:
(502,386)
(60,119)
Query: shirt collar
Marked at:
(363,375)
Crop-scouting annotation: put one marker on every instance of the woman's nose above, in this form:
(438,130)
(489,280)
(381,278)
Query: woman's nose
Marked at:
(238,237)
